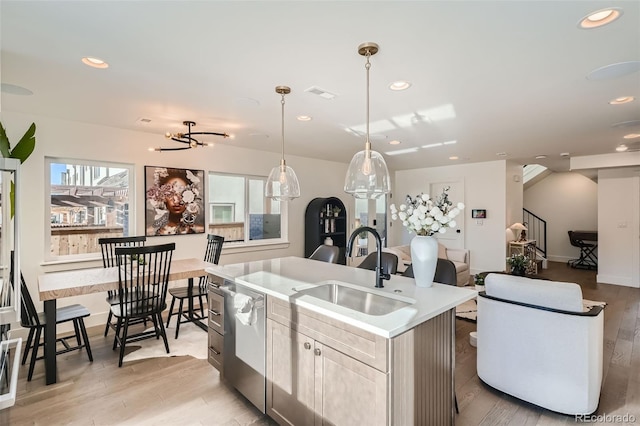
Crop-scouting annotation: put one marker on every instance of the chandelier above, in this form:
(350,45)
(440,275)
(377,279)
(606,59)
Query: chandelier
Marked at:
(188,138)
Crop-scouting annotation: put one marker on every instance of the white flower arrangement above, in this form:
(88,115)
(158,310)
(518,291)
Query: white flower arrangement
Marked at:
(425,216)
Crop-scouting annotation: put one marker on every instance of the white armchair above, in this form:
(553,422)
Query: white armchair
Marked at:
(459,257)
(537,343)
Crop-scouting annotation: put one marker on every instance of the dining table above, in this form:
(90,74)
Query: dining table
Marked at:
(57,285)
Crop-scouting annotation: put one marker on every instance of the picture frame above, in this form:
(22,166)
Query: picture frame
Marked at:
(478,214)
(174,201)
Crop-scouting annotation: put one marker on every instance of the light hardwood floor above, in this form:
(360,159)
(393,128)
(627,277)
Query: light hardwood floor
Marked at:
(188,391)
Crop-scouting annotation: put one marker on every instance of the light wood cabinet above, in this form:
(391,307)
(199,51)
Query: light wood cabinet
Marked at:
(215,325)
(311,383)
(323,371)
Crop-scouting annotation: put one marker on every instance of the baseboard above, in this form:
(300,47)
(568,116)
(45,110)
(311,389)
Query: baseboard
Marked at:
(616,280)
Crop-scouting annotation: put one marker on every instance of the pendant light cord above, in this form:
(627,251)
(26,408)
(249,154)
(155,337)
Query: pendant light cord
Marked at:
(282,162)
(367,142)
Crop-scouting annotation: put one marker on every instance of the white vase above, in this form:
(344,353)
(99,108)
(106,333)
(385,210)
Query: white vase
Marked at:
(424,258)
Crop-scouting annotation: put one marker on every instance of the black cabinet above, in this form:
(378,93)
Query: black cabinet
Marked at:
(325,218)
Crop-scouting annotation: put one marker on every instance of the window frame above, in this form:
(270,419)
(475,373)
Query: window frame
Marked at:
(247,243)
(48,160)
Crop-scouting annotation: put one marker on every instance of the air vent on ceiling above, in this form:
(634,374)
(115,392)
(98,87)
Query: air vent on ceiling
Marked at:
(143,121)
(320,92)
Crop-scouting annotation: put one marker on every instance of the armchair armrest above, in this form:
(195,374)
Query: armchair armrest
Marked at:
(458,255)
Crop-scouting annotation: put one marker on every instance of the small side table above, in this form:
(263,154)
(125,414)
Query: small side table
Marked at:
(527,248)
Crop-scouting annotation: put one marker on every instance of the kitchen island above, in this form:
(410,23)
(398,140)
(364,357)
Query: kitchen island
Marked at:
(385,361)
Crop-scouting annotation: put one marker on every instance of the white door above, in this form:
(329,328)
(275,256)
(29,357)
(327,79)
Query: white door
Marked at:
(453,238)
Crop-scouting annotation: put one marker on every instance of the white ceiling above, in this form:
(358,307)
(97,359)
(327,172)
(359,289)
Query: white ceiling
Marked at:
(495,76)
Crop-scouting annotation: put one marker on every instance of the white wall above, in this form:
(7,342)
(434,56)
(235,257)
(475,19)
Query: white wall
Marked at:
(484,188)
(619,227)
(514,198)
(567,201)
(75,140)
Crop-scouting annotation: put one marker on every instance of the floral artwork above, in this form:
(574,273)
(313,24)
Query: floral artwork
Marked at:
(425,216)
(174,201)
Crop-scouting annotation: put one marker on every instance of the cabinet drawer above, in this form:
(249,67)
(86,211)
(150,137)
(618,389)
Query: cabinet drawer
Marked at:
(215,280)
(353,341)
(216,344)
(216,312)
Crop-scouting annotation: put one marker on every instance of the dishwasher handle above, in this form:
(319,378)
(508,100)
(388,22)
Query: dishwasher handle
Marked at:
(258,301)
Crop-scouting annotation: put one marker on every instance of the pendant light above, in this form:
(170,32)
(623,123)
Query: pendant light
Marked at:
(367,175)
(282,184)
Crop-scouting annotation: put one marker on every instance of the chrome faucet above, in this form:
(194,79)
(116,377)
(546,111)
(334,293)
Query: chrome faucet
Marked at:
(380,274)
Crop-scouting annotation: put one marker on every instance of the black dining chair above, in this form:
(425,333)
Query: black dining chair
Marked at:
(35,322)
(326,253)
(143,278)
(108,250)
(445,272)
(389,262)
(211,255)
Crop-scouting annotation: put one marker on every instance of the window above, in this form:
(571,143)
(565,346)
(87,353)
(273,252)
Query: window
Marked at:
(222,212)
(240,212)
(87,200)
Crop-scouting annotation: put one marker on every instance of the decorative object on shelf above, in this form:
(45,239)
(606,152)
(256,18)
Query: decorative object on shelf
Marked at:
(523,230)
(336,211)
(328,241)
(367,175)
(174,201)
(426,217)
(518,263)
(188,138)
(282,183)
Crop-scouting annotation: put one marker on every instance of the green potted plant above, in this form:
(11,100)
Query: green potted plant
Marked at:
(518,264)
(336,211)
(21,151)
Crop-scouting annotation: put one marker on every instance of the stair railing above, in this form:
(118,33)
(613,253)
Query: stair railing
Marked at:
(537,230)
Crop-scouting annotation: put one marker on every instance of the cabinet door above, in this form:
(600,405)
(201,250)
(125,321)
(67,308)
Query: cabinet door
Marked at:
(348,392)
(290,375)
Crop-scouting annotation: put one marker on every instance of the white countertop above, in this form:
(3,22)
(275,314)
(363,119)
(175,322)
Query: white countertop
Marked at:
(279,277)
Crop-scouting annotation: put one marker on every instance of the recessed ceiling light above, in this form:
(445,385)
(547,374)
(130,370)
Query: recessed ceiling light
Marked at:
(540,157)
(600,18)
(621,148)
(399,85)
(501,154)
(94,62)
(453,157)
(622,100)
(564,154)
(632,136)
(303,118)
(394,142)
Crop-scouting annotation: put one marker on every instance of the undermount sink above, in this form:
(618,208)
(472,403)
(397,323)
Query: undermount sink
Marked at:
(355,299)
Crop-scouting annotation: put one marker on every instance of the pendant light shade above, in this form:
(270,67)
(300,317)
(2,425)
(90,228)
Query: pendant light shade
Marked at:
(367,175)
(282,183)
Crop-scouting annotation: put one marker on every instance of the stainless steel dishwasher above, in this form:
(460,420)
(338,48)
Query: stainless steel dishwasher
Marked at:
(245,344)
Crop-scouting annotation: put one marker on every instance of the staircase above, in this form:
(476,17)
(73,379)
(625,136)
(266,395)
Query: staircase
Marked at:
(537,230)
